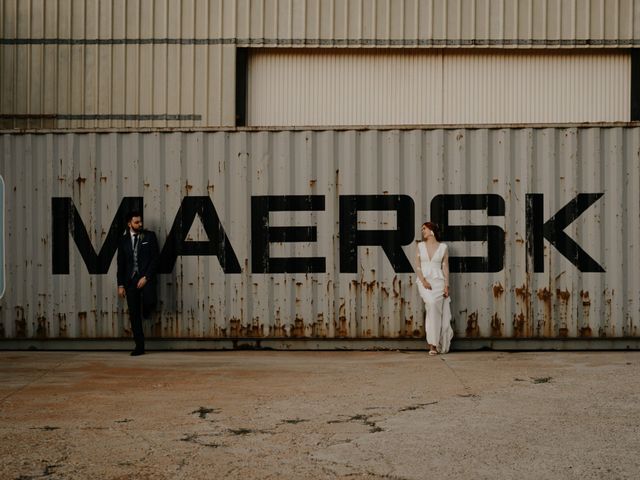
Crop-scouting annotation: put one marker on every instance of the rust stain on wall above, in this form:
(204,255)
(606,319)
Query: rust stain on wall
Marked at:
(318,328)
(585,332)
(545,295)
(397,285)
(523,292)
(563,297)
(80,181)
(606,321)
(234,327)
(496,325)
(278,329)
(41,327)
(298,328)
(522,321)
(342,328)
(519,325)
(585,328)
(408,326)
(473,330)
(256,328)
(21,323)
(82,321)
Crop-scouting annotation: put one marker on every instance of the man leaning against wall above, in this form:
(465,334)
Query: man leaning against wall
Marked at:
(137,265)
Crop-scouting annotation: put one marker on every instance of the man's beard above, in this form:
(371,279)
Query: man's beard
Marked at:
(137,230)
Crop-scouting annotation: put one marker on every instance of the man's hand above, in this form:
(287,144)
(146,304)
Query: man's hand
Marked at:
(122,292)
(142,282)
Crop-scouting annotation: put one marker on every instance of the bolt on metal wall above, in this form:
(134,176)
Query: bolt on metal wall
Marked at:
(311,234)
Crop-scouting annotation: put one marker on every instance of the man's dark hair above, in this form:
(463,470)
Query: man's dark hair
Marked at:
(131,214)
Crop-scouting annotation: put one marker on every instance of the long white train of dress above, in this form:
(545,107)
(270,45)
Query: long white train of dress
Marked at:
(437,320)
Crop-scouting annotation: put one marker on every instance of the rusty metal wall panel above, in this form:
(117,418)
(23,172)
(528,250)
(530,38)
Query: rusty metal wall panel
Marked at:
(536,172)
(388,87)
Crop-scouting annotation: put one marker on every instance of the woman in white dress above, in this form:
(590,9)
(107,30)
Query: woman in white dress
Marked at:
(432,261)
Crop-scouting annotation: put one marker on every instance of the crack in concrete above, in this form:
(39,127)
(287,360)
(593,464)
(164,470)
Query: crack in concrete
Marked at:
(204,411)
(47,472)
(455,374)
(195,438)
(26,385)
(293,421)
(416,406)
(246,431)
(537,380)
(373,427)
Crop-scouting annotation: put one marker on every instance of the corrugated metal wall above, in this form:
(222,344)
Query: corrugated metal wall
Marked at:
(199,301)
(161,63)
(121,64)
(344,88)
(383,87)
(541,87)
(335,22)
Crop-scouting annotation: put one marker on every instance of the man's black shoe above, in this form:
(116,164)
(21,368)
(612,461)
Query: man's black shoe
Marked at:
(135,353)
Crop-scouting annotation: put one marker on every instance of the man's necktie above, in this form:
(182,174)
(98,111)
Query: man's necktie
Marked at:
(135,254)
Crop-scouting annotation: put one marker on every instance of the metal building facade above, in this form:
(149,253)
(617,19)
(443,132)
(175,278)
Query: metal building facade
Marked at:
(161,63)
(571,237)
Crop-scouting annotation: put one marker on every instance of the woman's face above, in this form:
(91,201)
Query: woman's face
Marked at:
(426,232)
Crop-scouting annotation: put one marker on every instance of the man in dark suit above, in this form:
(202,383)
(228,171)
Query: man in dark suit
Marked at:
(137,265)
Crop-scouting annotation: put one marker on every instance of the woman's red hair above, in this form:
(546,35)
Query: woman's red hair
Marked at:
(434,228)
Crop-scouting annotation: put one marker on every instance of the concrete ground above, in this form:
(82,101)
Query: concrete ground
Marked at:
(372,415)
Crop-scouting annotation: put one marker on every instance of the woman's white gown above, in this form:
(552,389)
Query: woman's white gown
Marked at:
(437,320)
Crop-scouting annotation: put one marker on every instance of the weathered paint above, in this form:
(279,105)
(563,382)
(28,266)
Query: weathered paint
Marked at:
(199,301)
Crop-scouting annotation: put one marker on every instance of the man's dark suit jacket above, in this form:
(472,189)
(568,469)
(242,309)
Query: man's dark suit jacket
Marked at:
(148,254)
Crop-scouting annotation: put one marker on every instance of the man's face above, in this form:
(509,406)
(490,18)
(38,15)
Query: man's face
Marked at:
(135,224)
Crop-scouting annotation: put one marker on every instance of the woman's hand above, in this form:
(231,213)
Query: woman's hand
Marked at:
(446,291)
(426,284)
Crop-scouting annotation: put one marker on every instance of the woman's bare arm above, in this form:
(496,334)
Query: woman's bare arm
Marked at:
(419,269)
(445,270)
